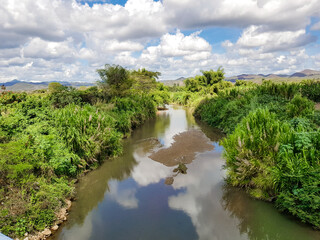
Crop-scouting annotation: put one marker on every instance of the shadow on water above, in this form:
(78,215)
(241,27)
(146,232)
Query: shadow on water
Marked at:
(180,195)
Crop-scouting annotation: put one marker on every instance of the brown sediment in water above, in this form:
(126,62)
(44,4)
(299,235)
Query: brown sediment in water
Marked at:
(184,148)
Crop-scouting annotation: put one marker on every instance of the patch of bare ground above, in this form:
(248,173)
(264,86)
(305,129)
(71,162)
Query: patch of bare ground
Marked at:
(184,149)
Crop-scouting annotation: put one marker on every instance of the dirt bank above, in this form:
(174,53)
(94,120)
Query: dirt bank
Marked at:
(184,148)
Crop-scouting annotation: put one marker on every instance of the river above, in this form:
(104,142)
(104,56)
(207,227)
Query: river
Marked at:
(142,195)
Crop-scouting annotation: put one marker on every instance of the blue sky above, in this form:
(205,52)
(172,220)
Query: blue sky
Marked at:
(68,40)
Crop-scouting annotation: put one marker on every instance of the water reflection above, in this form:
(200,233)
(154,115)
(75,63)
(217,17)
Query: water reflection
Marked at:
(261,221)
(134,197)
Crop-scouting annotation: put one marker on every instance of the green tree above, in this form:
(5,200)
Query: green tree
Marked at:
(213,77)
(61,96)
(145,80)
(55,87)
(115,80)
(208,79)
(192,84)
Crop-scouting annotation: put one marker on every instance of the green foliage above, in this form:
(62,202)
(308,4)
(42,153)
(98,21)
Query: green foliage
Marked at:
(285,90)
(300,107)
(192,84)
(213,77)
(297,175)
(212,80)
(115,80)
(91,95)
(8,97)
(48,140)
(161,98)
(88,132)
(245,83)
(136,109)
(311,90)
(251,149)
(272,146)
(62,96)
(144,80)
(55,87)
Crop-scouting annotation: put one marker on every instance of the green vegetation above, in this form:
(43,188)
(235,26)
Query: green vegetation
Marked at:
(272,146)
(49,139)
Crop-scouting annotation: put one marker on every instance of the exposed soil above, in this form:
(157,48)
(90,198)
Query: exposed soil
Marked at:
(184,149)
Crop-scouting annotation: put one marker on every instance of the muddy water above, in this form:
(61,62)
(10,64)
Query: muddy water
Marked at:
(143,195)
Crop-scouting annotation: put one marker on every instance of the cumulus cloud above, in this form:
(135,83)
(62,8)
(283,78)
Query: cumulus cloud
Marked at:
(269,41)
(61,37)
(273,13)
(38,48)
(179,45)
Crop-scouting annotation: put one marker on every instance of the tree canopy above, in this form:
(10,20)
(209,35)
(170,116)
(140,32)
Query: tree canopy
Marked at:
(144,79)
(209,79)
(115,80)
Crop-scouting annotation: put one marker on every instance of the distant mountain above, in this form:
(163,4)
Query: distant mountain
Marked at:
(310,72)
(13,82)
(179,82)
(21,86)
(298,74)
(307,73)
(17,85)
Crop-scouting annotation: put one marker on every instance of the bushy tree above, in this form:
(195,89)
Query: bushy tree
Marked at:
(55,87)
(144,80)
(213,77)
(61,96)
(115,80)
(209,79)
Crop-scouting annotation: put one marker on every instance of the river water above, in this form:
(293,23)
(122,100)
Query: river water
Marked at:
(141,195)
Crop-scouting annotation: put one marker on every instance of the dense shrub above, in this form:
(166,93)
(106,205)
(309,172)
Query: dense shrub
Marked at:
(311,90)
(270,159)
(300,107)
(8,97)
(91,95)
(89,133)
(272,146)
(64,95)
(250,152)
(46,141)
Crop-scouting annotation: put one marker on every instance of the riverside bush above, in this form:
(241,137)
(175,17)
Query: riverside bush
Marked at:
(44,146)
(273,160)
(272,145)
(250,152)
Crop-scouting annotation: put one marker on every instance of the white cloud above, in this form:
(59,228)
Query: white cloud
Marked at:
(38,48)
(180,45)
(124,197)
(62,37)
(272,13)
(269,41)
(173,47)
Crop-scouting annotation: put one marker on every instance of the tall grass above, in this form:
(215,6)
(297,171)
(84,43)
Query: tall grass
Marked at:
(272,145)
(43,147)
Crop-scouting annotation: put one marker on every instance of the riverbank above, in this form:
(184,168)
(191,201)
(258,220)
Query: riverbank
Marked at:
(272,146)
(44,149)
(132,197)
